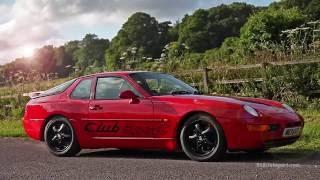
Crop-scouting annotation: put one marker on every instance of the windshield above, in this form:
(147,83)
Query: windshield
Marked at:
(158,84)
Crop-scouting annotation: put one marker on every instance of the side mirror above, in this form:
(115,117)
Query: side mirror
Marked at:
(128,95)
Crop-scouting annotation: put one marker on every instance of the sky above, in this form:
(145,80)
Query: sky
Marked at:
(29,24)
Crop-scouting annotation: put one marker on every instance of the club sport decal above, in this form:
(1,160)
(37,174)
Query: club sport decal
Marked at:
(126,129)
(101,127)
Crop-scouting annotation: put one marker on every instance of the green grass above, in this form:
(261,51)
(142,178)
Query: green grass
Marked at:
(11,128)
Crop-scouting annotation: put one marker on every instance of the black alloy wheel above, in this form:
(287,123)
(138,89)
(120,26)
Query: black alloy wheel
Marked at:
(60,137)
(202,138)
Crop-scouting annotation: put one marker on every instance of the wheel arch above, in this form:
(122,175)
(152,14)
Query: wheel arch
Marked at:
(185,118)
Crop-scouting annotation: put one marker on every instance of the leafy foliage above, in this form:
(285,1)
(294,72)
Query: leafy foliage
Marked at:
(206,29)
(313,9)
(309,7)
(142,32)
(265,27)
(91,52)
(225,35)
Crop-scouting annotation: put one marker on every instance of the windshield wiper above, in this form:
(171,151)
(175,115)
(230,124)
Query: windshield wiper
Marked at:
(180,92)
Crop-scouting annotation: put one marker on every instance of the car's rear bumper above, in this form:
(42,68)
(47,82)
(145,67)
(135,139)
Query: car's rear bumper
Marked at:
(33,127)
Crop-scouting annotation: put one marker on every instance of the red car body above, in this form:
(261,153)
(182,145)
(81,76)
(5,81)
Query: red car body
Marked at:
(154,122)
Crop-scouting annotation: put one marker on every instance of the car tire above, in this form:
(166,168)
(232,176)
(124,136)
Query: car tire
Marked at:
(60,138)
(202,138)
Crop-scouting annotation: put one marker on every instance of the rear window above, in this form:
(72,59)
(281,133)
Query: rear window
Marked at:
(58,89)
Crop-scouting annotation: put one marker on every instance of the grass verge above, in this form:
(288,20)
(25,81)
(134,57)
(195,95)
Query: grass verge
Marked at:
(11,128)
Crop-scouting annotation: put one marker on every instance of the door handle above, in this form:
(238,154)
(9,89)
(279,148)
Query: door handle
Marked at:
(95,107)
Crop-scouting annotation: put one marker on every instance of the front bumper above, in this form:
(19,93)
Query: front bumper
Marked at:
(263,133)
(279,142)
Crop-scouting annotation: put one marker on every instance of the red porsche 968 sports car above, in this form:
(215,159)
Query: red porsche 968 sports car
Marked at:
(147,110)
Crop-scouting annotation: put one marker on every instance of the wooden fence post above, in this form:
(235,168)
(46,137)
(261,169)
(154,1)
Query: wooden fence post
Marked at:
(265,90)
(205,80)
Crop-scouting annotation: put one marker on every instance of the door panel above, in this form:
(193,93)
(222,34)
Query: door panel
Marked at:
(119,118)
(77,106)
(113,118)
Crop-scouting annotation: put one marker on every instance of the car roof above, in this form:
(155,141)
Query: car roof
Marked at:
(113,73)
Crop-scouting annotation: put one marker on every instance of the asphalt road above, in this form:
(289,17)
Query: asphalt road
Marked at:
(26,159)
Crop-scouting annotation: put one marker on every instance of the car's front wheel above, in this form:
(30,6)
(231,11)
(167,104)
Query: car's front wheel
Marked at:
(60,137)
(202,138)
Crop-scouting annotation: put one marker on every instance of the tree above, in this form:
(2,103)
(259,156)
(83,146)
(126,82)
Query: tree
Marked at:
(44,61)
(71,47)
(265,27)
(173,32)
(227,20)
(91,51)
(194,32)
(206,29)
(313,9)
(165,35)
(63,61)
(142,32)
(302,4)
(308,7)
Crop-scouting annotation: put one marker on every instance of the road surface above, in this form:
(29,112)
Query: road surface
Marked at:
(27,159)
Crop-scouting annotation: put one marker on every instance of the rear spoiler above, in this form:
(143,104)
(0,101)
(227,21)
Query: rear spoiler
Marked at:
(32,94)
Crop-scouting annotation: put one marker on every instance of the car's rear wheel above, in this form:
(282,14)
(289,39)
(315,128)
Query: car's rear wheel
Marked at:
(202,138)
(60,137)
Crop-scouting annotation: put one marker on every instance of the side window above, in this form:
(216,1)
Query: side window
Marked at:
(111,87)
(82,91)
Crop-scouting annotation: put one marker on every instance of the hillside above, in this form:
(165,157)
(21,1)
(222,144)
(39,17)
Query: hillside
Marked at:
(227,35)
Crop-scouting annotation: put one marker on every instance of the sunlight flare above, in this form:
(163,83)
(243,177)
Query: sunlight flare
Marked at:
(27,51)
